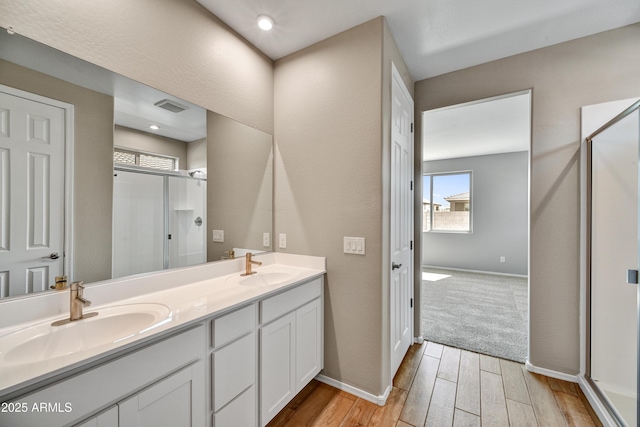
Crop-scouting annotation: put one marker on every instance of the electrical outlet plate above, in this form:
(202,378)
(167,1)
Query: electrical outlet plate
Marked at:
(354,245)
(283,241)
(266,240)
(218,236)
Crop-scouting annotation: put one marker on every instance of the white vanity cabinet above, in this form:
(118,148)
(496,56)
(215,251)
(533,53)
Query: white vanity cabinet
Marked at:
(291,345)
(234,368)
(108,418)
(155,382)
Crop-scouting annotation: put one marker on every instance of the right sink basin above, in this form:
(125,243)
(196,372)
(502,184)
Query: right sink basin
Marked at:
(265,276)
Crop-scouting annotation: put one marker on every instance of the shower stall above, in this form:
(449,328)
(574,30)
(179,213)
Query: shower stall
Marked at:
(611,134)
(159,221)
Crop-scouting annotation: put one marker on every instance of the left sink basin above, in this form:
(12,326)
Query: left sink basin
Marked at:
(44,342)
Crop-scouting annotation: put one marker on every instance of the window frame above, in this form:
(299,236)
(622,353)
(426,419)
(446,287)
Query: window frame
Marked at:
(431,175)
(138,153)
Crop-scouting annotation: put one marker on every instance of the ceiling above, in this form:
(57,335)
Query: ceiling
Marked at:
(434,36)
(489,126)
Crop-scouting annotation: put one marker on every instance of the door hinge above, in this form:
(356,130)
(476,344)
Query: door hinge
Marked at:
(411,185)
(412,245)
(411,303)
(411,127)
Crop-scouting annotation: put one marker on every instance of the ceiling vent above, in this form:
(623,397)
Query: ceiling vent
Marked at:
(170,105)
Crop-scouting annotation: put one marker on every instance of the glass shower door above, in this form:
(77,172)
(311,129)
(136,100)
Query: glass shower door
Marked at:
(612,365)
(186,210)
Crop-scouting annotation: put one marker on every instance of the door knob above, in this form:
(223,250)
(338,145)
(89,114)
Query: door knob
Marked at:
(53,255)
(394,265)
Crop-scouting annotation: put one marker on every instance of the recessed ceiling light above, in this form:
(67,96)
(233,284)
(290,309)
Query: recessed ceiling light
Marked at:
(265,22)
(154,127)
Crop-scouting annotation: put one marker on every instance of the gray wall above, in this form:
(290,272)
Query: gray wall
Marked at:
(564,77)
(239,185)
(331,135)
(500,203)
(136,140)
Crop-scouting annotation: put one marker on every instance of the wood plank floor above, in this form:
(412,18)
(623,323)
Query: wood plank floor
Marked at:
(442,386)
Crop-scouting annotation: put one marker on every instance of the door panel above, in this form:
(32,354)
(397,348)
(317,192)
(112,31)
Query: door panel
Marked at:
(401,283)
(32,138)
(138,223)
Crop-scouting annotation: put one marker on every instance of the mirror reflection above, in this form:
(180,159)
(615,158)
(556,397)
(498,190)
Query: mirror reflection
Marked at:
(105,177)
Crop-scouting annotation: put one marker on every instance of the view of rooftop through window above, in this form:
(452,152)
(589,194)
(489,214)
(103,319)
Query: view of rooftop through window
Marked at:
(446,202)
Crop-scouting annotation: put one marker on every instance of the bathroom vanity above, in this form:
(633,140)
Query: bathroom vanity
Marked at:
(198,346)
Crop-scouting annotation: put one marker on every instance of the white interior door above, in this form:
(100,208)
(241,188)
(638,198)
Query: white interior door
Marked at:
(32,153)
(401,297)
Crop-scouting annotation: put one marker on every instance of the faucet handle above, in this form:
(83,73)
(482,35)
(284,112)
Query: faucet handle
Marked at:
(77,286)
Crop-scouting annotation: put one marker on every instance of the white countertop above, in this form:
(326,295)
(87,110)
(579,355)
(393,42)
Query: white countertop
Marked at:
(190,295)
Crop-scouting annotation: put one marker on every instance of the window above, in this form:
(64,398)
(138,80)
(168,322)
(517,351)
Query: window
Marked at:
(446,202)
(154,161)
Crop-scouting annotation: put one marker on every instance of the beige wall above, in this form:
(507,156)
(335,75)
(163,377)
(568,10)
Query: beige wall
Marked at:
(93,165)
(136,140)
(239,185)
(179,48)
(564,77)
(330,133)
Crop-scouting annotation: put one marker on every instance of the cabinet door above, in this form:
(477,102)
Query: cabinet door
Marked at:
(234,369)
(176,401)
(309,353)
(277,365)
(108,418)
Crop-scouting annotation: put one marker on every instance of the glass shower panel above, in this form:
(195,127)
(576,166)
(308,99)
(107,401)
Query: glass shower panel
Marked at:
(138,223)
(614,250)
(187,201)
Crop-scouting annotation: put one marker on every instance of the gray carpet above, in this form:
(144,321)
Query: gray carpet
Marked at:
(484,313)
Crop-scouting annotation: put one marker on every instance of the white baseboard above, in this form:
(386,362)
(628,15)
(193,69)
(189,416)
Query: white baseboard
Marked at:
(549,373)
(378,400)
(466,270)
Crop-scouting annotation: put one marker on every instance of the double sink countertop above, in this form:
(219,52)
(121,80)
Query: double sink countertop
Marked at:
(132,311)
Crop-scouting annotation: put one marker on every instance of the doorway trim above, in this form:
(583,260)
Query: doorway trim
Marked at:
(69,138)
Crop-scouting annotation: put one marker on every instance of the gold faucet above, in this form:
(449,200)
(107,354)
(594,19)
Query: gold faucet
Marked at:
(248,263)
(77,301)
(77,304)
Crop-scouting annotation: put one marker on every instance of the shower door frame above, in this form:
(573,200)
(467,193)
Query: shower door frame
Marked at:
(603,403)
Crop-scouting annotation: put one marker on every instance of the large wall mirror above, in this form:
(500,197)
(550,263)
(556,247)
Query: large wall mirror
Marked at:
(104,177)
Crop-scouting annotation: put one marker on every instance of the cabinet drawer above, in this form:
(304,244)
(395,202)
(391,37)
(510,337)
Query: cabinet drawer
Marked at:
(230,326)
(239,413)
(276,306)
(234,369)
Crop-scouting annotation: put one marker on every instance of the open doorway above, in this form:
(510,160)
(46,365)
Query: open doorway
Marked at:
(475,227)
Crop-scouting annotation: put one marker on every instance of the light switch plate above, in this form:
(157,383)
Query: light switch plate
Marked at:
(283,241)
(266,240)
(354,245)
(218,236)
